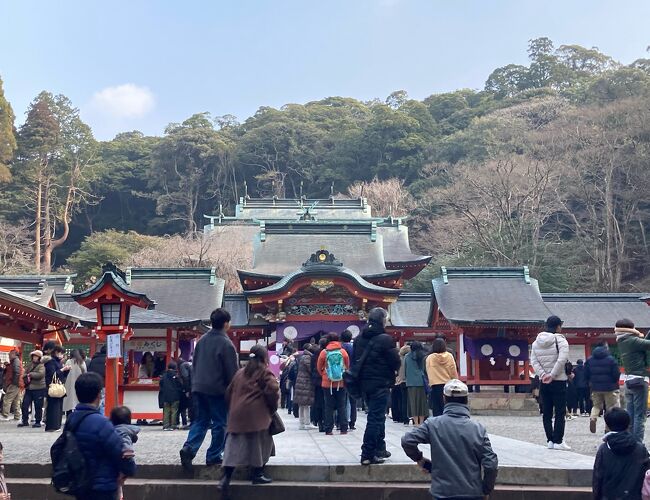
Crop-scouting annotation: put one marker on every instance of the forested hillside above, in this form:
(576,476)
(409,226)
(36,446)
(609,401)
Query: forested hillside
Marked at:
(548,165)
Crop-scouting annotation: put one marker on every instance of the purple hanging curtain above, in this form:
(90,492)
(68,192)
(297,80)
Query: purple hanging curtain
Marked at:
(495,347)
(307,329)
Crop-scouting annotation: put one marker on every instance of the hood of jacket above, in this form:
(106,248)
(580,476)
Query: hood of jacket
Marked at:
(456,410)
(46,359)
(131,430)
(621,443)
(545,339)
(600,352)
(333,346)
(372,329)
(405,350)
(441,357)
(626,333)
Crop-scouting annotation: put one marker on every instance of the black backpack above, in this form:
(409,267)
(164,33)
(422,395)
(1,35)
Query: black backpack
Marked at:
(70,474)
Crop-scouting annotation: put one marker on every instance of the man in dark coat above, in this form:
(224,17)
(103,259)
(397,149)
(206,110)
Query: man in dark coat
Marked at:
(214,365)
(602,374)
(98,363)
(582,387)
(185,374)
(100,445)
(377,374)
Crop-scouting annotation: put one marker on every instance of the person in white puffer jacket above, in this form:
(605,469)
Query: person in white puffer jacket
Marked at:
(548,356)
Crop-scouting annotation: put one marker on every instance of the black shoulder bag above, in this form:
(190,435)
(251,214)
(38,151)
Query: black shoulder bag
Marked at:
(352,377)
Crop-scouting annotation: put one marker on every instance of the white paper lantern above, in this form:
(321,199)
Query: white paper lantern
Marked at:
(487,350)
(290,332)
(514,351)
(354,330)
(274,359)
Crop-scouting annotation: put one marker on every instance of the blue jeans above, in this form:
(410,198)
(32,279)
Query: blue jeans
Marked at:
(374,437)
(637,404)
(211,412)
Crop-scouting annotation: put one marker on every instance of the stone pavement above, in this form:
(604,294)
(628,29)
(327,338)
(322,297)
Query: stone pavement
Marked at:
(296,447)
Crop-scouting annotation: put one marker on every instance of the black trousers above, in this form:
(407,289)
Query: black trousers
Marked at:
(374,438)
(335,400)
(399,404)
(185,410)
(553,398)
(583,399)
(318,407)
(436,399)
(36,397)
(53,414)
(99,495)
(353,411)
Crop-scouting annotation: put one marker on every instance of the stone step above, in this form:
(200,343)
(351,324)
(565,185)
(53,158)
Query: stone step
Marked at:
(392,473)
(174,489)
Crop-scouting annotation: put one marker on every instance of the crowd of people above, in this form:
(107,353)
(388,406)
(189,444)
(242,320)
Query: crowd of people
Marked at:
(323,386)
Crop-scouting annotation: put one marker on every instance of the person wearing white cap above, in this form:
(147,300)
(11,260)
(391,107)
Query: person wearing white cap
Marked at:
(34,390)
(465,465)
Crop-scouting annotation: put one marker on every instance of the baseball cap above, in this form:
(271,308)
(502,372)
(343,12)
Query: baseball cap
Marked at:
(455,389)
(37,353)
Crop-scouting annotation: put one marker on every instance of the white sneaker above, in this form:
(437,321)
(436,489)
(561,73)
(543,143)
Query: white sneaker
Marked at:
(5,419)
(562,446)
(302,428)
(550,445)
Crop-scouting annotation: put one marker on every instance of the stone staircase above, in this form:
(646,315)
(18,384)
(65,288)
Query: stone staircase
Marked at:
(309,482)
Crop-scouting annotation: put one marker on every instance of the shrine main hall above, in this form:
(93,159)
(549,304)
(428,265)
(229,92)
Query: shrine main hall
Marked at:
(319,266)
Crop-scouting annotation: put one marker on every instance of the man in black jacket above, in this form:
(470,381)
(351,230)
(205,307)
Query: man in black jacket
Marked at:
(185,407)
(602,374)
(98,363)
(214,365)
(377,374)
(582,387)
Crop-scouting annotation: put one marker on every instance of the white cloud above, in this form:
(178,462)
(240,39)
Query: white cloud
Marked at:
(124,101)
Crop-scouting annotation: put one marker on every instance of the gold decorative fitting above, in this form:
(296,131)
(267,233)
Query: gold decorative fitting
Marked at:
(390,299)
(322,285)
(254,300)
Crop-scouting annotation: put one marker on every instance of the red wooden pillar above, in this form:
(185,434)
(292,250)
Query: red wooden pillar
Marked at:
(112,380)
(169,346)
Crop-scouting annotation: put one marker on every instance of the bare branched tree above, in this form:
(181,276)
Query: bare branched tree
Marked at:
(16,249)
(388,197)
(227,248)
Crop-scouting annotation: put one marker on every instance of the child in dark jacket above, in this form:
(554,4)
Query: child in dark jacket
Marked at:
(169,397)
(121,419)
(621,461)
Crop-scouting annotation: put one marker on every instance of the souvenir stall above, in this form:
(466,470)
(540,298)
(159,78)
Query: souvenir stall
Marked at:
(140,342)
(157,339)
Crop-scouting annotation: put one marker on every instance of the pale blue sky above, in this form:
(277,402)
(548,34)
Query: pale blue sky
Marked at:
(170,59)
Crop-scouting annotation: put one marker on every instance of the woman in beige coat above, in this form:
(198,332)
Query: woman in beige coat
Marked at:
(441,368)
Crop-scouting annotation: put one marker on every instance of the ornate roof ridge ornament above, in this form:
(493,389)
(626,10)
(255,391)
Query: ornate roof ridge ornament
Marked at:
(322,258)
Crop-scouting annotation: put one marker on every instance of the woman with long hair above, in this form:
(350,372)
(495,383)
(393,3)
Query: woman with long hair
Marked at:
(77,364)
(252,397)
(418,408)
(441,368)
